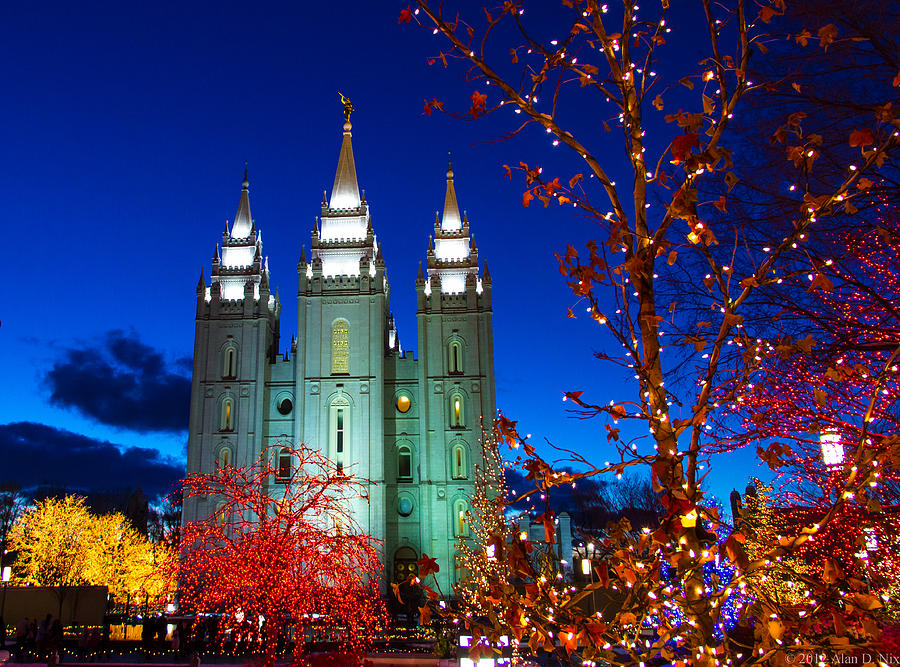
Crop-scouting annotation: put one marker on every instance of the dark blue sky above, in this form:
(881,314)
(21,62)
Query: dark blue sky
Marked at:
(125,128)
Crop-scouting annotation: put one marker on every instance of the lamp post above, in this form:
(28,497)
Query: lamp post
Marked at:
(587,560)
(832,448)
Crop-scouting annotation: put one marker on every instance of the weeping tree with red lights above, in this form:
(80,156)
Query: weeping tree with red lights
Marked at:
(280,549)
(680,283)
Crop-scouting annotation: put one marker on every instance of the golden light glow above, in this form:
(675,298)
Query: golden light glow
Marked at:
(403,403)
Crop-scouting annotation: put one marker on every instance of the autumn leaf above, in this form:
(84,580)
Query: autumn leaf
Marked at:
(424,615)
(427,566)
(672,258)
(861,137)
(574,180)
(479,102)
(507,173)
(767,13)
(526,198)
(569,638)
(821,281)
(831,571)
(682,145)
(720,204)
(396,588)
(553,186)
(827,35)
(658,103)
(405,15)
(864,184)
(546,518)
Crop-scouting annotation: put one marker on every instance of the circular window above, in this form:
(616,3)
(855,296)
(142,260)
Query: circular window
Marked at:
(285,406)
(405,506)
(403,403)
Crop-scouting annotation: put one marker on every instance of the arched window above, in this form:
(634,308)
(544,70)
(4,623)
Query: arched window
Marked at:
(229,362)
(455,360)
(459,468)
(224,458)
(226,419)
(339,427)
(340,347)
(460,518)
(404,464)
(285,465)
(457,410)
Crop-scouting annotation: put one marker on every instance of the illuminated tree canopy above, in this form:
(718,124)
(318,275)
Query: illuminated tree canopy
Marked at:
(278,551)
(61,544)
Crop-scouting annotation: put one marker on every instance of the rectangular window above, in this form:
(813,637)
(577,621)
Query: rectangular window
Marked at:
(405,465)
(340,432)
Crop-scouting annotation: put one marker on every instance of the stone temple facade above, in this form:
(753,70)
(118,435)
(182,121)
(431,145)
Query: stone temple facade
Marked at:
(412,426)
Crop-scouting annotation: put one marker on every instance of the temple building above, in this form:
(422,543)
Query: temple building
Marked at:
(411,426)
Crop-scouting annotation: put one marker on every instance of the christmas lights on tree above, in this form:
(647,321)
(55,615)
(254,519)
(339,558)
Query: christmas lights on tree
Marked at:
(279,552)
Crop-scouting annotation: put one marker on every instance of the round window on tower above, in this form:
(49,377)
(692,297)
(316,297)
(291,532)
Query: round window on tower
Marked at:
(403,403)
(404,506)
(285,405)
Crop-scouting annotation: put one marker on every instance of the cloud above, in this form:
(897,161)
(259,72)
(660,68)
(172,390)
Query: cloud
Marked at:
(40,455)
(122,382)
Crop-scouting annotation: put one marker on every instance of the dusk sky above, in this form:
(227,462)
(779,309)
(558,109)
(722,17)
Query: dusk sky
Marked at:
(125,129)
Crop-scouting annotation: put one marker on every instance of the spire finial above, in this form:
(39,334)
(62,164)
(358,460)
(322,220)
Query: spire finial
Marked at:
(246,184)
(345,193)
(348,109)
(449,165)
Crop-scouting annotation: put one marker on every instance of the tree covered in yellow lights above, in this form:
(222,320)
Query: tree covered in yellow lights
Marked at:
(61,544)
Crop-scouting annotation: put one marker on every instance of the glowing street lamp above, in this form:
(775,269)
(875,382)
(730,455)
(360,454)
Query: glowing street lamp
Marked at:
(832,448)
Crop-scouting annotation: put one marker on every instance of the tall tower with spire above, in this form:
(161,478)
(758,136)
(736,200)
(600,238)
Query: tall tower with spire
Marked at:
(410,426)
(235,344)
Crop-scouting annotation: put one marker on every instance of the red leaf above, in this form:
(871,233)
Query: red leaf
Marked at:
(479,102)
(405,15)
(526,198)
(681,146)
(861,137)
(427,566)
(424,615)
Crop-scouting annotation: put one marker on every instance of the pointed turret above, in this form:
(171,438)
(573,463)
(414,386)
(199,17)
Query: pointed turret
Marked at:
(452,255)
(345,193)
(450,220)
(243,224)
(240,261)
(201,285)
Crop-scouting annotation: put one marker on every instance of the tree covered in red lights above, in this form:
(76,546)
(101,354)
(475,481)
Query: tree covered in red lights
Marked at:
(830,389)
(281,551)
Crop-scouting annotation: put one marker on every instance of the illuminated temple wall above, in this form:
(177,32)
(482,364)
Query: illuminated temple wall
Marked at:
(410,425)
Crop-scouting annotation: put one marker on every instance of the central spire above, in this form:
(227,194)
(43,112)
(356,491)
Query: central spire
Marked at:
(243,223)
(345,193)
(451,221)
